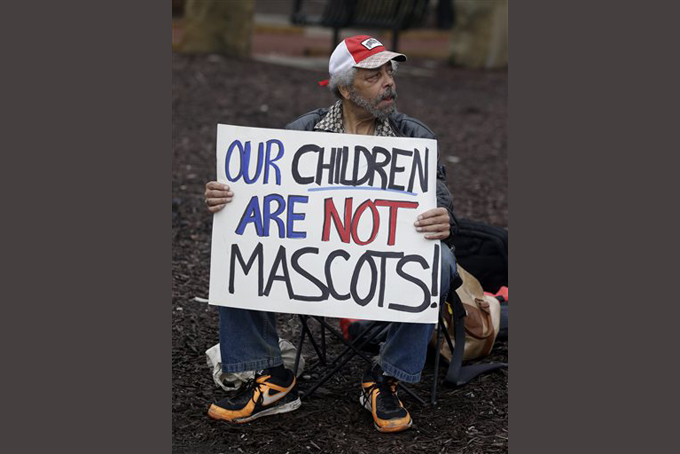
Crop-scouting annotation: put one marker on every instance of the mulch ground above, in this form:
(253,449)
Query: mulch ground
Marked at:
(468,111)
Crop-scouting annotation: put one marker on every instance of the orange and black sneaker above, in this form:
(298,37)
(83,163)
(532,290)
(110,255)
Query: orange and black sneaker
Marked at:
(379,396)
(263,395)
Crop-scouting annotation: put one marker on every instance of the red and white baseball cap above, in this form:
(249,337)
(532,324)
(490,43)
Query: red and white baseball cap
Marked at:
(360,51)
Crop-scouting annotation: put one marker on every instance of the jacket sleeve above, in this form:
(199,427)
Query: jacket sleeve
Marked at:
(445,199)
(306,122)
(410,127)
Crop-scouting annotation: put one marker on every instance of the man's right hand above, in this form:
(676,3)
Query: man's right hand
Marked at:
(217,195)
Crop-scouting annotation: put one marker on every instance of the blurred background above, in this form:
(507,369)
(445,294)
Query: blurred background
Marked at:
(469,33)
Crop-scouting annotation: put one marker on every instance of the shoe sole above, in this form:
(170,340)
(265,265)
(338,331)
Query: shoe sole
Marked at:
(366,403)
(284,408)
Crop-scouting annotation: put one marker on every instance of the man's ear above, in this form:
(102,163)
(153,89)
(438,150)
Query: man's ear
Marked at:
(344,91)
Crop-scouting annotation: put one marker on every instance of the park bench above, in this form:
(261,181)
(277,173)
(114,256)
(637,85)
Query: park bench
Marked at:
(393,15)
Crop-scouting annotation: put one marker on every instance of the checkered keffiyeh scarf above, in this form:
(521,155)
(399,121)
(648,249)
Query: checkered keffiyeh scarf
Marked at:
(332,122)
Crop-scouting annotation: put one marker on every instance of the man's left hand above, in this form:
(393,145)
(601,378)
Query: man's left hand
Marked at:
(435,224)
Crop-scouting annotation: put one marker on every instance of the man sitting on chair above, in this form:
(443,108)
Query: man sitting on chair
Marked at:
(362,77)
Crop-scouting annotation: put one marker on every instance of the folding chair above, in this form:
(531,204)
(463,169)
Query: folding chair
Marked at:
(457,374)
(352,349)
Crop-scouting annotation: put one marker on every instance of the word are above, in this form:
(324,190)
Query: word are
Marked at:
(261,219)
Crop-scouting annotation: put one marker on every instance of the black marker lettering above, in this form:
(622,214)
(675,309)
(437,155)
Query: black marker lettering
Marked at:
(296,266)
(279,262)
(236,254)
(426,292)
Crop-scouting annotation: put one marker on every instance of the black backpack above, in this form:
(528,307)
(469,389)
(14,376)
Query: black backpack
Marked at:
(482,250)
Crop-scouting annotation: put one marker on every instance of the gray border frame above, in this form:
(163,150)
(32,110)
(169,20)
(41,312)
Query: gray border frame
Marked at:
(87,128)
(584,126)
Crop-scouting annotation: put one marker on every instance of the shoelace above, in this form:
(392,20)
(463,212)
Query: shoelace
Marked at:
(387,389)
(250,385)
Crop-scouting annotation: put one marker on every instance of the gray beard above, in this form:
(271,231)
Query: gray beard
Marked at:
(372,106)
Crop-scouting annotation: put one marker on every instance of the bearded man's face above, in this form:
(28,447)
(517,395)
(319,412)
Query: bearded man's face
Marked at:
(375,91)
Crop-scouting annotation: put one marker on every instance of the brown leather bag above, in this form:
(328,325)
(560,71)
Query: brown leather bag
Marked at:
(482,321)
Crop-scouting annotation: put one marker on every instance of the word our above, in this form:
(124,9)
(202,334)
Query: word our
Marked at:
(377,167)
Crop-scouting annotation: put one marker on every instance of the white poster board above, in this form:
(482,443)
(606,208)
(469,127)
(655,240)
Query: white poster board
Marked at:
(322,224)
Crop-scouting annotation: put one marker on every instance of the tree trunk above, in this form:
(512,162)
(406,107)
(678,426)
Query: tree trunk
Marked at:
(218,26)
(480,35)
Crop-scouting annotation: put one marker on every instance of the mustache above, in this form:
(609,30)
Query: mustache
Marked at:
(389,93)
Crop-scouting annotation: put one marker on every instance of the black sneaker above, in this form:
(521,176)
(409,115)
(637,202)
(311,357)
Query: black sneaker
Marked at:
(260,396)
(379,396)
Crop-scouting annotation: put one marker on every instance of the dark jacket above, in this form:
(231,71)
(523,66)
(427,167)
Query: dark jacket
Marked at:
(403,126)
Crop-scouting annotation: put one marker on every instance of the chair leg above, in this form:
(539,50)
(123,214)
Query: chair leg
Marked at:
(358,338)
(329,374)
(300,342)
(357,351)
(441,327)
(323,342)
(319,353)
(437,354)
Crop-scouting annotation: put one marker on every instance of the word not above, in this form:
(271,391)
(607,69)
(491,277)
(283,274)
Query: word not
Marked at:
(348,227)
(262,219)
(377,162)
(264,160)
(326,285)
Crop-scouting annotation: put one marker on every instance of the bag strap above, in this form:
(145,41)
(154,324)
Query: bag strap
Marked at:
(457,375)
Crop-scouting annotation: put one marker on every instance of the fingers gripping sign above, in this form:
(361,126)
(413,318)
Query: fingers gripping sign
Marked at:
(217,195)
(434,223)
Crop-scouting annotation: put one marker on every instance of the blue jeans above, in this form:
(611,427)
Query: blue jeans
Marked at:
(249,341)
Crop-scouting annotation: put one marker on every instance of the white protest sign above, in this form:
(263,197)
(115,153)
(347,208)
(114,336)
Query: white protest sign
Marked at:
(322,224)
